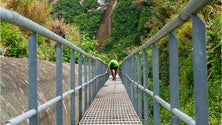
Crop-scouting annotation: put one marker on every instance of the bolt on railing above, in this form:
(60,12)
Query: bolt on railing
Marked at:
(94,77)
(131,71)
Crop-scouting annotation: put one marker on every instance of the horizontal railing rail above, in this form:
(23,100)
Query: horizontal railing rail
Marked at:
(133,70)
(94,73)
(18,20)
(31,113)
(187,119)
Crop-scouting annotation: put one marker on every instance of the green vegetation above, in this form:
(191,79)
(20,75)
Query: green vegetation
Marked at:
(13,40)
(124,30)
(133,23)
(82,15)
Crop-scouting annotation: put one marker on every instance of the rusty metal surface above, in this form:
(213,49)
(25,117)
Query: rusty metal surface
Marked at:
(111,106)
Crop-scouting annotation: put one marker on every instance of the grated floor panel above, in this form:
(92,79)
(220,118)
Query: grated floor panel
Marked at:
(111,106)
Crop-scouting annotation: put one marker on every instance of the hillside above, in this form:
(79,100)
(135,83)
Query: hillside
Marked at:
(105,27)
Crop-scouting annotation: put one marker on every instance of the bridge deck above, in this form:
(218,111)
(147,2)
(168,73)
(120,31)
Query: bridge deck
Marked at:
(111,106)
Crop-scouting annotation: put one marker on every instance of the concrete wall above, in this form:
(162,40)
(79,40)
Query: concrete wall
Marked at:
(14,89)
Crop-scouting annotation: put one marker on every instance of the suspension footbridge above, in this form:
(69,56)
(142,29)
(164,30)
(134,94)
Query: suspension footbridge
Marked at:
(125,101)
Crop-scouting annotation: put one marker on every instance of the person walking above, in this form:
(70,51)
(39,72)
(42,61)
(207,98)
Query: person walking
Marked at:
(113,65)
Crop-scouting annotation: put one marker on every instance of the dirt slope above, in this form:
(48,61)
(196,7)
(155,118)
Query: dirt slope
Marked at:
(105,27)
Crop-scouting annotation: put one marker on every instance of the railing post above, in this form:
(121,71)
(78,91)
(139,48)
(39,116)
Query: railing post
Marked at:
(59,82)
(99,72)
(200,71)
(145,83)
(93,75)
(90,85)
(80,84)
(72,78)
(124,79)
(131,76)
(86,86)
(174,82)
(155,63)
(139,83)
(100,67)
(128,73)
(135,87)
(96,73)
(127,66)
(33,84)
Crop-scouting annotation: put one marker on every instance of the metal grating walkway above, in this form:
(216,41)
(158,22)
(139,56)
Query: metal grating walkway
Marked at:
(111,106)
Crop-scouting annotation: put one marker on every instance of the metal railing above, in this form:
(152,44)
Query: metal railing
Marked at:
(94,73)
(131,71)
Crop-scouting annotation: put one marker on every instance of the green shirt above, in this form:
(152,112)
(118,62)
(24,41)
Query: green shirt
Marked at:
(116,64)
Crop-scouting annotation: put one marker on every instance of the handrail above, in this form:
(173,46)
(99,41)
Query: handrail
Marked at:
(176,111)
(131,71)
(193,7)
(94,69)
(32,112)
(15,18)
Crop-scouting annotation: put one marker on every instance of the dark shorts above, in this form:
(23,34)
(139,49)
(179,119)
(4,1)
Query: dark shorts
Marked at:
(115,68)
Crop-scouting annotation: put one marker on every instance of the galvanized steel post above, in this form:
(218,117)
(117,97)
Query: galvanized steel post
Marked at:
(128,73)
(99,67)
(131,76)
(86,86)
(174,80)
(139,83)
(90,85)
(200,71)
(100,72)
(125,71)
(33,84)
(72,87)
(155,63)
(96,80)
(93,83)
(80,84)
(145,83)
(135,87)
(59,82)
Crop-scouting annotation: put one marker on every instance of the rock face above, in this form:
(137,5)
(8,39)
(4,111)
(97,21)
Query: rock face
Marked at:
(14,89)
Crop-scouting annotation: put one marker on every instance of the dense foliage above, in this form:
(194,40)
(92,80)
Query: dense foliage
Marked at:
(84,15)
(124,30)
(14,40)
